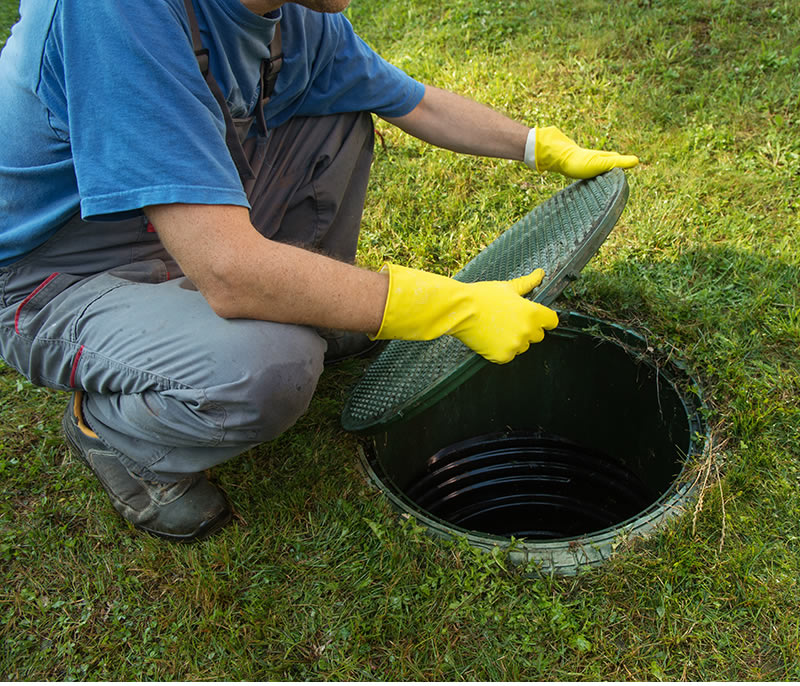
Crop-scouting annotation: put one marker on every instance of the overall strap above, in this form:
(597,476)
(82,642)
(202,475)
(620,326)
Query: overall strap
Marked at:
(269,74)
(267,82)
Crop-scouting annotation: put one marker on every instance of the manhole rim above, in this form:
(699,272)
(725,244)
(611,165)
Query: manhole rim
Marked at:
(567,556)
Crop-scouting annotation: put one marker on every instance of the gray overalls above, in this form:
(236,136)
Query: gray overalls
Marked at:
(169,385)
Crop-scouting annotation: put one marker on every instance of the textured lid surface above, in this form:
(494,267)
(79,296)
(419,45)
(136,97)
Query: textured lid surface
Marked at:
(560,235)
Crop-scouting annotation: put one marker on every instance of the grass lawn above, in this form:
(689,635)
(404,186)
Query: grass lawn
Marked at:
(317,578)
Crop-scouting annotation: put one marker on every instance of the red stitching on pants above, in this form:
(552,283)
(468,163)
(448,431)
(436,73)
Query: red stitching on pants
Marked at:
(30,296)
(75,367)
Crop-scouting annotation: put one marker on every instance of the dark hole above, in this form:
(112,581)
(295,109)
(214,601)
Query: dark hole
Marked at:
(529,485)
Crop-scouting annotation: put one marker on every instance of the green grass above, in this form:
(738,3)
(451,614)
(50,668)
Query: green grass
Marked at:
(8,15)
(317,579)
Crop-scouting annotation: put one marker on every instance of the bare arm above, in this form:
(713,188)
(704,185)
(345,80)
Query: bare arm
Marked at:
(454,122)
(462,125)
(244,275)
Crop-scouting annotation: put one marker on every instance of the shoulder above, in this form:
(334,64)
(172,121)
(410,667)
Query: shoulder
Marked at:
(103,8)
(314,26)
(106,20)
(91,37)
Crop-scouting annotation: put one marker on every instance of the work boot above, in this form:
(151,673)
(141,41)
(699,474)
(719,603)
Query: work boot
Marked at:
(342,345)
(185,510)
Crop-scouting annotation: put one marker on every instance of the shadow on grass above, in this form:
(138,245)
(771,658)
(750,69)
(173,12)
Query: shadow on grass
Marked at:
(733,315)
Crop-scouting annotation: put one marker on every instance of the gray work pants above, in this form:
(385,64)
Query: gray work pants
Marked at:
(169,385)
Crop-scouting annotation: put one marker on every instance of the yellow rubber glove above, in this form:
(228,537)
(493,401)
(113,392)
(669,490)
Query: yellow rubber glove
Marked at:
(491,317)
(550,150)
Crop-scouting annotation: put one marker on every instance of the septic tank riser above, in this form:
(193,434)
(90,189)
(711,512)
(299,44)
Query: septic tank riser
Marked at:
(590,382)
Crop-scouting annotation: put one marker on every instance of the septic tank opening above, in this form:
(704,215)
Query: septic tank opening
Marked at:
(529,485)
(578,443)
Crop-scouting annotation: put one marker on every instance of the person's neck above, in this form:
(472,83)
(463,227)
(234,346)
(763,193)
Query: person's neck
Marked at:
(262,6)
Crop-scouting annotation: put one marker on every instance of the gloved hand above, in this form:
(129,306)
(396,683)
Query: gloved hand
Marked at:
(548,149)
(490,317)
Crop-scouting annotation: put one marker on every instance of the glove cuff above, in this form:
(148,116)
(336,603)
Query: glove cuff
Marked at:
(378,336)
(421,306)
(530,150)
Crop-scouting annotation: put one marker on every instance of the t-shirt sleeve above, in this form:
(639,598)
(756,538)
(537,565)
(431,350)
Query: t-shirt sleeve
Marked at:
(369,79)
(144,126)
(343,73)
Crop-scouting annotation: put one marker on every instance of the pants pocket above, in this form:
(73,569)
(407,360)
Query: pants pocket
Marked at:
(28,319)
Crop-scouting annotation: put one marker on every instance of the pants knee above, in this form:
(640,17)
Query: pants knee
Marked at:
(283,398)
(275,390)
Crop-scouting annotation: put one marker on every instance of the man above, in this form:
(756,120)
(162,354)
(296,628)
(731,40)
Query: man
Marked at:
(179,225)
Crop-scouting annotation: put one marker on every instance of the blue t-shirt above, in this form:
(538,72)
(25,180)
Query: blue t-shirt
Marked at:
(104,108)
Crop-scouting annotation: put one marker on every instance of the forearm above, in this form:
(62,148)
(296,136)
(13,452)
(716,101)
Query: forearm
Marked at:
(456,123)
(244,275)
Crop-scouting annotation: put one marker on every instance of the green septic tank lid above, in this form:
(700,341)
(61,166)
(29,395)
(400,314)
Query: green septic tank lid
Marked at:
(560,235)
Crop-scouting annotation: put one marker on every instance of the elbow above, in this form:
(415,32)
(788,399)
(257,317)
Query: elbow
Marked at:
(223,292)
(223,306)
(226,302)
